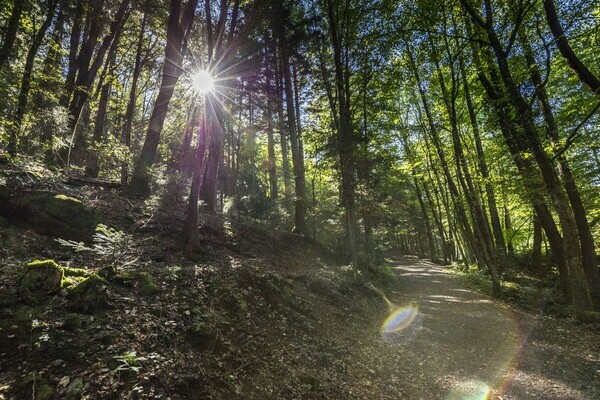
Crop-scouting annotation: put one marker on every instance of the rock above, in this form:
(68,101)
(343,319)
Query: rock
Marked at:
(90,296)
(74,388)
(40,279)
(147,285)
(53,214)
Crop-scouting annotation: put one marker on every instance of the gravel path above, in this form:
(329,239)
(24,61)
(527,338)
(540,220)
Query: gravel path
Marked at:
(464,345)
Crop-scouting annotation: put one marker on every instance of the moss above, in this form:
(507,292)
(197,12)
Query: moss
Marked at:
(66,198)
(24,314)
(43,392)
(75,271)
(90,296)
(310,380)
(40,278)
(73,276)
(56,215)
(147,284)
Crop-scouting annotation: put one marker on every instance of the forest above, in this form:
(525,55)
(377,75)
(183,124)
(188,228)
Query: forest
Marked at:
(186,182)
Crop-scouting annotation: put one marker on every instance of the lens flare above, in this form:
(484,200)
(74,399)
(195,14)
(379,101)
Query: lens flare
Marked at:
(402,325)
(399,320)
(202,81)
(469,390)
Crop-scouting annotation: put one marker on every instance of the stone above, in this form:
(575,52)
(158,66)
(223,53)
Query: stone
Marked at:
(41,278)
(147,285)
(53,214)
(90,296)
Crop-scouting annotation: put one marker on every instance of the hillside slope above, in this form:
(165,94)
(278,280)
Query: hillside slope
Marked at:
(257,315)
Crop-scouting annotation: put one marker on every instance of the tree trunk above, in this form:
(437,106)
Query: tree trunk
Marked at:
(461,214)
(285,164)
(178,27)
(74,41)
(586,240)
(26,79)
(483,167)
(130,111)
(10,35)
(191,224)
(429,232)
(345,129)
(272,164)
(585,75)
(536,248)
(208,190)
(525,138)
(89,62)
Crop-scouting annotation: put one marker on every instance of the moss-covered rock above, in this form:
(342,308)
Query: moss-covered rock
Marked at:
(90,296)
(53,214)
(147,285)
(74,276)
(41,278)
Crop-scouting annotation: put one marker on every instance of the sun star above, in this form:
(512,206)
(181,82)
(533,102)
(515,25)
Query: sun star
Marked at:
(202,81)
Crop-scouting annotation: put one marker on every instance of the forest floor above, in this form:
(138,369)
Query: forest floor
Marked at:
(269,315)
(469,345)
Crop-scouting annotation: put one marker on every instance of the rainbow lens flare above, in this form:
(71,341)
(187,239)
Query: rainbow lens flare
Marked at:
(470,390)
(402,324)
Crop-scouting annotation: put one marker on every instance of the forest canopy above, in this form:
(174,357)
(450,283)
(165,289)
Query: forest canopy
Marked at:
(463,131)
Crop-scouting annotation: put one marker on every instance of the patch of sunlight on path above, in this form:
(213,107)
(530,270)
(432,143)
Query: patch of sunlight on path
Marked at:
(460,345)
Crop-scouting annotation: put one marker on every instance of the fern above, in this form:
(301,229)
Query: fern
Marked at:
(109,244)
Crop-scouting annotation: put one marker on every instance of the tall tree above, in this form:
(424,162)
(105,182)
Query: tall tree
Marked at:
(27,72)
(586,76)
(8,41)
(179,25)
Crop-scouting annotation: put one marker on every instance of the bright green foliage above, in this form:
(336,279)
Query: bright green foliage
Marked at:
(109,244)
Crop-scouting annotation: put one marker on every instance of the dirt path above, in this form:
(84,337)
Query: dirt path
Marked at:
(463,345)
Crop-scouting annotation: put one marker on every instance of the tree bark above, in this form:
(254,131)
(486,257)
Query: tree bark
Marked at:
(526,138)
(130,111)
(10,35)
(26,79)
(272,165)
(179,26)
(586,240)
(586,76)
(191,224)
